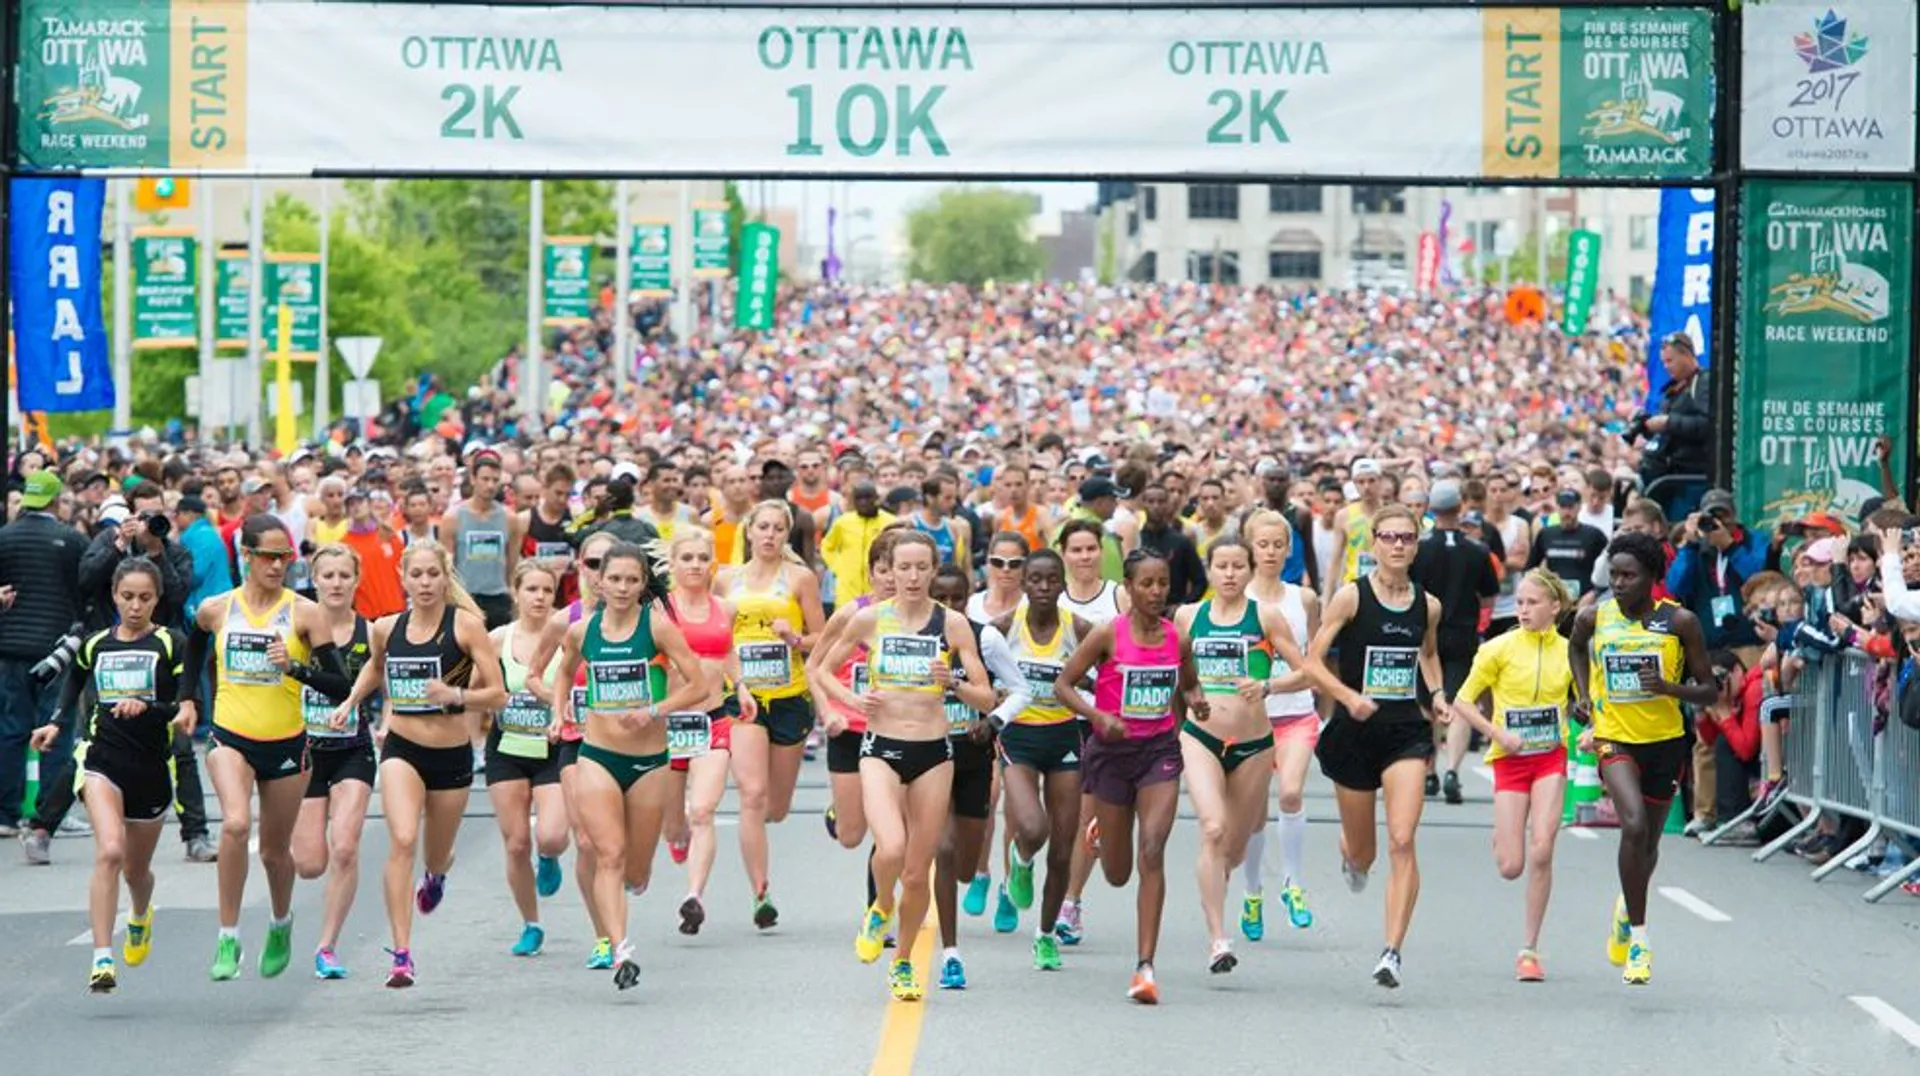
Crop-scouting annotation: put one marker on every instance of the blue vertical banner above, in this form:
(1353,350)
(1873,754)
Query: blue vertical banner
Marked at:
(1682,298)
(61,359)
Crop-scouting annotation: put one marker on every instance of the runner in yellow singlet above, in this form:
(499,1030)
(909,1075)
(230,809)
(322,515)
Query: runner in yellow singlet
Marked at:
(1635,660)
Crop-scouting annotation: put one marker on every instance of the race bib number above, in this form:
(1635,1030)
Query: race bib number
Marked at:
(1623,676)
(689,735)
(766,666)
(126,674)
(246,656)
(552,551)
(316,712)
(1537,726)
(524,715)
(1146,692)
(905,662)
(1723,607)
(1221,664)
(1390,673)
(579,697)
(617,686)
(484,546)
(1040,677)
(959,717)
(857,679)
(407,680)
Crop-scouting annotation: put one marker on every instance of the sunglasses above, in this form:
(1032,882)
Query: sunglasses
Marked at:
(592,563)
(1396,537)
(1009,563)
(281,555)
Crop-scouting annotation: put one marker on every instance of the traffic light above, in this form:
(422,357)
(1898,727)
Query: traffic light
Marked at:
(164,192)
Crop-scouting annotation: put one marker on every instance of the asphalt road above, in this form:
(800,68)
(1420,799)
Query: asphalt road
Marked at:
(1758,970)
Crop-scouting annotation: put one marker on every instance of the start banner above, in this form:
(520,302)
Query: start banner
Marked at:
(254,87)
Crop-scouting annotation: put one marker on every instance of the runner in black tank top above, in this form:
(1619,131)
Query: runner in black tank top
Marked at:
(1377,739)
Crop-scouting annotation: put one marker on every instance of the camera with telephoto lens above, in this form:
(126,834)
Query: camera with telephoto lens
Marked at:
(157,524)
(1637,428)
(49,668)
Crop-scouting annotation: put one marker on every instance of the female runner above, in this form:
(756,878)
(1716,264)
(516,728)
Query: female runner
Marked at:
(1635,660)
(259,738)
(1296,728)
(439,670)
(777,617)
(1006,563)
(698,774)
(523,767)
(1143,686)
(906,756)
(1234,644)
(326,840)
(621,786)
(1526,672)
(1097,601)
(136,670)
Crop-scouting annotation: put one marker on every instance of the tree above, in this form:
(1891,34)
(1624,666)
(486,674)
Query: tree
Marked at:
(971,235)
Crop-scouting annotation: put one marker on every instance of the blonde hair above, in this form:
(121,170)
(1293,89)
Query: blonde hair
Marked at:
(661,550)
(587,599)
(786,521)
(1267,517)
(527,567)
(457,595)
(1555,587)
(334,549)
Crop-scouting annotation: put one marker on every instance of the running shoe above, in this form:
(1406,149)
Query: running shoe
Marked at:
(202,850)
(953,974)
(430,892)
(1253,917)
(1639,970)
(1527,968)
(104,978)
(1020,881)
(1433,785)
(626,970)
(1621,937)
(692,914)
(1450,788)
(601,959)
(400,976)
(832,821)
(326,965)
(1387,971)
(870,942)
(1356,878)
(278,952)
(905,986)
(1295,898)
(1006,917)
(1143,989)
(1222,960)
(532,940)
(547,876)
(677,851)
(1695,827)
(975,902)
(812,749)
(226,960)
(765,915)
(1068,927)
(1046,953)
(139,939)
(36,846)
(636,890)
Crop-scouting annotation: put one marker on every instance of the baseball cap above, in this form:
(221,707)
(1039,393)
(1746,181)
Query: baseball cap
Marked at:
(114,512)
(1824,521)
(1444,497)
(1366,468)
(1473,519)
(41,489)
(1265,467)
(627,471)
(252,486)
(1822,551)
(1567,498)
(1097,487)
(1717,500)
(901,496)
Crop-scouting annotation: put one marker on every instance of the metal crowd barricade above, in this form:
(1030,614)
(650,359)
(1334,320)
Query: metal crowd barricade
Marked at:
(1900,806)
(1851,780)
(1804,745)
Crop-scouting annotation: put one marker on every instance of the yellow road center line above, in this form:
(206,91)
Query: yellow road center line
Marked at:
(900,1031)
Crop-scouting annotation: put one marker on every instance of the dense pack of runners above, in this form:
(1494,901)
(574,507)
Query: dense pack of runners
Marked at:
(1012,610)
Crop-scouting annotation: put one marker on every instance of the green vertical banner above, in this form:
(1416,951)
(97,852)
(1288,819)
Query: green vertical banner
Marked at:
(232,279)
(1636,92)
(1583,280)
(165,271)
(650,259)
(1825,344)
(759,277)
(568,280)
(712,250)
(292,279)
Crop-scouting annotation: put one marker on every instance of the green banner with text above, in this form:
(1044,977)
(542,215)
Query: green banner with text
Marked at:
(650,259)
(232,280)
(1825,344)
(759,277)
(292,279)
(712,241)
(165,270)
(568,280)
(1583,280)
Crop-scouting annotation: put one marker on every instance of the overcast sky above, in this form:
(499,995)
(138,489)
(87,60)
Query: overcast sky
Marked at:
(890,201)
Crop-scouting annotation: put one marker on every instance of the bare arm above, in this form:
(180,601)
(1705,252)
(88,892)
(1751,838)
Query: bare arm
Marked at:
(668,640)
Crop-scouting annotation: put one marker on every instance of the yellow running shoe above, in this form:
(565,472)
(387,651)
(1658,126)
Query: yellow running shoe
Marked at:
(871,941)
(906,987)
(139,939)
(1622,936)
(1639,971)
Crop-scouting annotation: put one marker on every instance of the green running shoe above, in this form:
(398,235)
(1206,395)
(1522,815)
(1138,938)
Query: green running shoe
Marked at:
(1253,917)
(601,959)
(226,960)
(1046,953)
(1020,882)
(279,950)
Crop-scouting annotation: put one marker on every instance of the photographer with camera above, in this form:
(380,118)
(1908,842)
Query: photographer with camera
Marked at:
(1679,435)
(1717,556)
(39,558)
(145,532)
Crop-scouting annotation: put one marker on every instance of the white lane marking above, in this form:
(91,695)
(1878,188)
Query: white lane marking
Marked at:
(1485,772)
(1581,832)
(1694,904)
(253,846)
(85,937)
(1890,1018)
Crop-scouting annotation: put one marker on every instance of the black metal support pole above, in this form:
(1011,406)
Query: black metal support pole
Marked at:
(1726,244)
(9,50)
